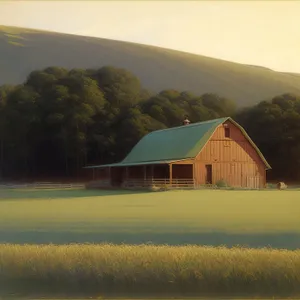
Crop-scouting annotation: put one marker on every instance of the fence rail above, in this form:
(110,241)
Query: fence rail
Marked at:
(42,185)
(159,182)
(101,183)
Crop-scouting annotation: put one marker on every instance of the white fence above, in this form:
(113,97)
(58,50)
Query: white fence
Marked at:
(42,185)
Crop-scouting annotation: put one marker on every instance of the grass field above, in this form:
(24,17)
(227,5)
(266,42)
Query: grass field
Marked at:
(208,217)
(102,270)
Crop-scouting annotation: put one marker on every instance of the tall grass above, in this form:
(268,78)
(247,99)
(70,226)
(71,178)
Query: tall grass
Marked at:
(151,270)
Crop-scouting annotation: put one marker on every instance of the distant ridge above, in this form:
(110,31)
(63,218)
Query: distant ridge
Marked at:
(23,50)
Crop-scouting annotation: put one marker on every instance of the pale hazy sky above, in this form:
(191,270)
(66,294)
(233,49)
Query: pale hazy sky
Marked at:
(262,33)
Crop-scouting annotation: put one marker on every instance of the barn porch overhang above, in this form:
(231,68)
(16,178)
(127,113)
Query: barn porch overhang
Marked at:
(145,174)
(142,163)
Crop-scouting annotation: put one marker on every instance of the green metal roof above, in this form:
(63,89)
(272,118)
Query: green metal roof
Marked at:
(173,143)
(177,143)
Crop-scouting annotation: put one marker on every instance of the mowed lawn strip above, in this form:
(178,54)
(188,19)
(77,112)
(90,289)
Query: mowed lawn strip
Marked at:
(185,211)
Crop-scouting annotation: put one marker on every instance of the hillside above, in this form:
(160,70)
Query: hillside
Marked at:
(23,50)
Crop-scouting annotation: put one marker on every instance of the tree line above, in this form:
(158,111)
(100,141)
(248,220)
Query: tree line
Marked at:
(60,120)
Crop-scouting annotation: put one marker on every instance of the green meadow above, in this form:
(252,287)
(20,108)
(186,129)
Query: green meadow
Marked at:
(203,217)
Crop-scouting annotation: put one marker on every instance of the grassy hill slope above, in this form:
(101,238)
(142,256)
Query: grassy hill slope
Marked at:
(23,50)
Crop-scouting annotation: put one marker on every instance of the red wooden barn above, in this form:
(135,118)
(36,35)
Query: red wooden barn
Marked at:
(190,155)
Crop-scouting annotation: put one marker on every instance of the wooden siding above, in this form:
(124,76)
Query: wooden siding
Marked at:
(233,159)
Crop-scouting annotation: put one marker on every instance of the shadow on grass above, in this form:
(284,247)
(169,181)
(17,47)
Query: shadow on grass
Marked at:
(287,240)
(108,290)
(30,194)
(48,194)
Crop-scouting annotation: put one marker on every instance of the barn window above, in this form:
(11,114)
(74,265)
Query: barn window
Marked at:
(227,132)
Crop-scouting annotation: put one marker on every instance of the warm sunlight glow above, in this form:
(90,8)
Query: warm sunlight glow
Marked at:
(261,33)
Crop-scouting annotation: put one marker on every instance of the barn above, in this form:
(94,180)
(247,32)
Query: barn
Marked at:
(191,155)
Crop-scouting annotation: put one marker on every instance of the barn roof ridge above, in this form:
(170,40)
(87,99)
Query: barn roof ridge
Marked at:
(191,124)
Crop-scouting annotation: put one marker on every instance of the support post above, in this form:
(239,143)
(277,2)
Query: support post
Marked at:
(171,174)
(194,181)
(152,171)
(93,173)
(109,175)
(126,177)
(145,175)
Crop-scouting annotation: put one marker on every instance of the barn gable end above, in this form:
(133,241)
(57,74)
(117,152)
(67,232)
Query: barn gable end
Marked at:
(233,157)
(245,150)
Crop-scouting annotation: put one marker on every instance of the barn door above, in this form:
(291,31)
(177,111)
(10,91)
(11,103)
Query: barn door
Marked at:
(208,179)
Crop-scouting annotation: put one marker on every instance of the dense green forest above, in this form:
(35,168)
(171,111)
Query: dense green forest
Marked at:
(60,120)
